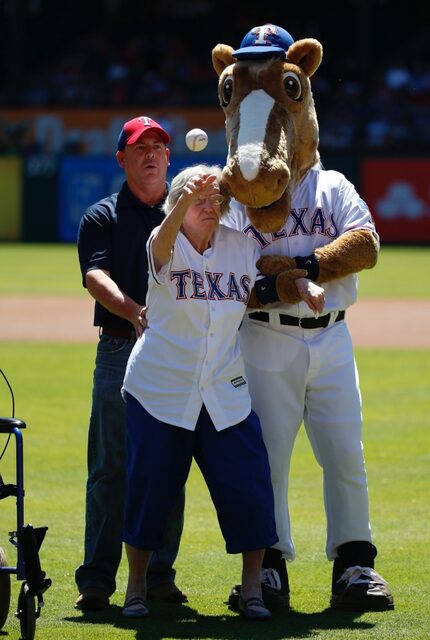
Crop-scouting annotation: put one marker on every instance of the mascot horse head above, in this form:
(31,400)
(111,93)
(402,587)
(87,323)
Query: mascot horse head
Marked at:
(271,123)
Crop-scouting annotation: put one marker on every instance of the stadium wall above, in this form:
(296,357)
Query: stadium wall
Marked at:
(64,161)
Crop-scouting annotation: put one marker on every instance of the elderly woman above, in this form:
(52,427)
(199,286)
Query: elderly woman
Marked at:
(186,392)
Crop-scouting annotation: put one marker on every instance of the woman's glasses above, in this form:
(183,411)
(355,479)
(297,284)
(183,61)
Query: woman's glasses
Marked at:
(215,199)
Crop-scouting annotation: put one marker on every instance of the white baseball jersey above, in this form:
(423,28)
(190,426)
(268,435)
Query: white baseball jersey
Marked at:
(190,353)
(309,375)
(324,205)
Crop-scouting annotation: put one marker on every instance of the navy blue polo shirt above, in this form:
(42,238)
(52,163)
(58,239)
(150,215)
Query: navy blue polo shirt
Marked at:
(112,236)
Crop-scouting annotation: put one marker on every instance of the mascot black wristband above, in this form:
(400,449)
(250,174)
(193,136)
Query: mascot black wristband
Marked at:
(310,263)
(266,289)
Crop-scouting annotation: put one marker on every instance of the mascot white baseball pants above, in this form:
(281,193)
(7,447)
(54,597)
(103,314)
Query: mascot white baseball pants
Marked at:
(310,375)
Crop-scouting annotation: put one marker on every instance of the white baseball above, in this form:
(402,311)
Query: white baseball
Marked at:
(196,139)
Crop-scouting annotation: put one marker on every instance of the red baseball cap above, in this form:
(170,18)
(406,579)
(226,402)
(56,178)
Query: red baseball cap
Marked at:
(133,129)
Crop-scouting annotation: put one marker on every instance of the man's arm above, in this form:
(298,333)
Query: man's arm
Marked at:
(107,293)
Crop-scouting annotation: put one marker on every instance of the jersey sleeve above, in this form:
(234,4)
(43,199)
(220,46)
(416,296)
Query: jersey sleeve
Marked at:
(236,219)
(256,254)
(355,213)
(249,248)
(235,216)
(160,275)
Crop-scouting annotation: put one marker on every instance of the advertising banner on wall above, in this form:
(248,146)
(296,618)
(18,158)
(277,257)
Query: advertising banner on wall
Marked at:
(94,132)
(83,181)
(398,194)
(11,198)
(40,198)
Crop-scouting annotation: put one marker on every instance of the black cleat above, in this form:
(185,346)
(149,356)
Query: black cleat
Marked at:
(361,589)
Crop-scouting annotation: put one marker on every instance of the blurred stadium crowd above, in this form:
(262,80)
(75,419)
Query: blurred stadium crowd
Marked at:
(372,90)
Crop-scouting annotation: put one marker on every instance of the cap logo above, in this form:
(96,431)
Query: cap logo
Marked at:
(148,122)
(265,41)
(263,34)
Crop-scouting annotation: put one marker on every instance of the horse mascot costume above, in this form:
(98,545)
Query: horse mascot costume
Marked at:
(300,366)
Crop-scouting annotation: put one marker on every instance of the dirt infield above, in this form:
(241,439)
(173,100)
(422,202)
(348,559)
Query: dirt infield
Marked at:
(373,323)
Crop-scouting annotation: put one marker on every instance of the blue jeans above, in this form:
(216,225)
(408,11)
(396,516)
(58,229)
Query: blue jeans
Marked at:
(106,480)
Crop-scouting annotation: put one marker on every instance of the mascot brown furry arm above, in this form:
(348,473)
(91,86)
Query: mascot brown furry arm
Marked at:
(350,253)
(284,286)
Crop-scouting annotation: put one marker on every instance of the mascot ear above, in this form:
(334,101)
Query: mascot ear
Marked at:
(222,57)
(306,54)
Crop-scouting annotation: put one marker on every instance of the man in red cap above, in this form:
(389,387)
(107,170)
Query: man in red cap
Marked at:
(112,240)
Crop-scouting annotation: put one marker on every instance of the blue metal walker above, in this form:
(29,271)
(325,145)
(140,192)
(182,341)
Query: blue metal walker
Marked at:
(27,542)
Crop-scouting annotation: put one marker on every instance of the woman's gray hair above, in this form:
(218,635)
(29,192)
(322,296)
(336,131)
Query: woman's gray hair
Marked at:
(181,179)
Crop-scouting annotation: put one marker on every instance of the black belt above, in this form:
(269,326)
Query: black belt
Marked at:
(118,333)
(293,321)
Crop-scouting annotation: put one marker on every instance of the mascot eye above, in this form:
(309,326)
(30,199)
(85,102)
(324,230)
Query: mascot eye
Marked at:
(292,85)
(226,91)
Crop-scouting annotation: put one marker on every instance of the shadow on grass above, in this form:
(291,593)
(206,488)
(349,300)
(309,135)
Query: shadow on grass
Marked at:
(184,622)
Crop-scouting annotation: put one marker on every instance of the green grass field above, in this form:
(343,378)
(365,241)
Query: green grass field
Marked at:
(54,270)
(52,386)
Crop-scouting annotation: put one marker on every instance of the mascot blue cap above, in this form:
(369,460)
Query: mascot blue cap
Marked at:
(267,41)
